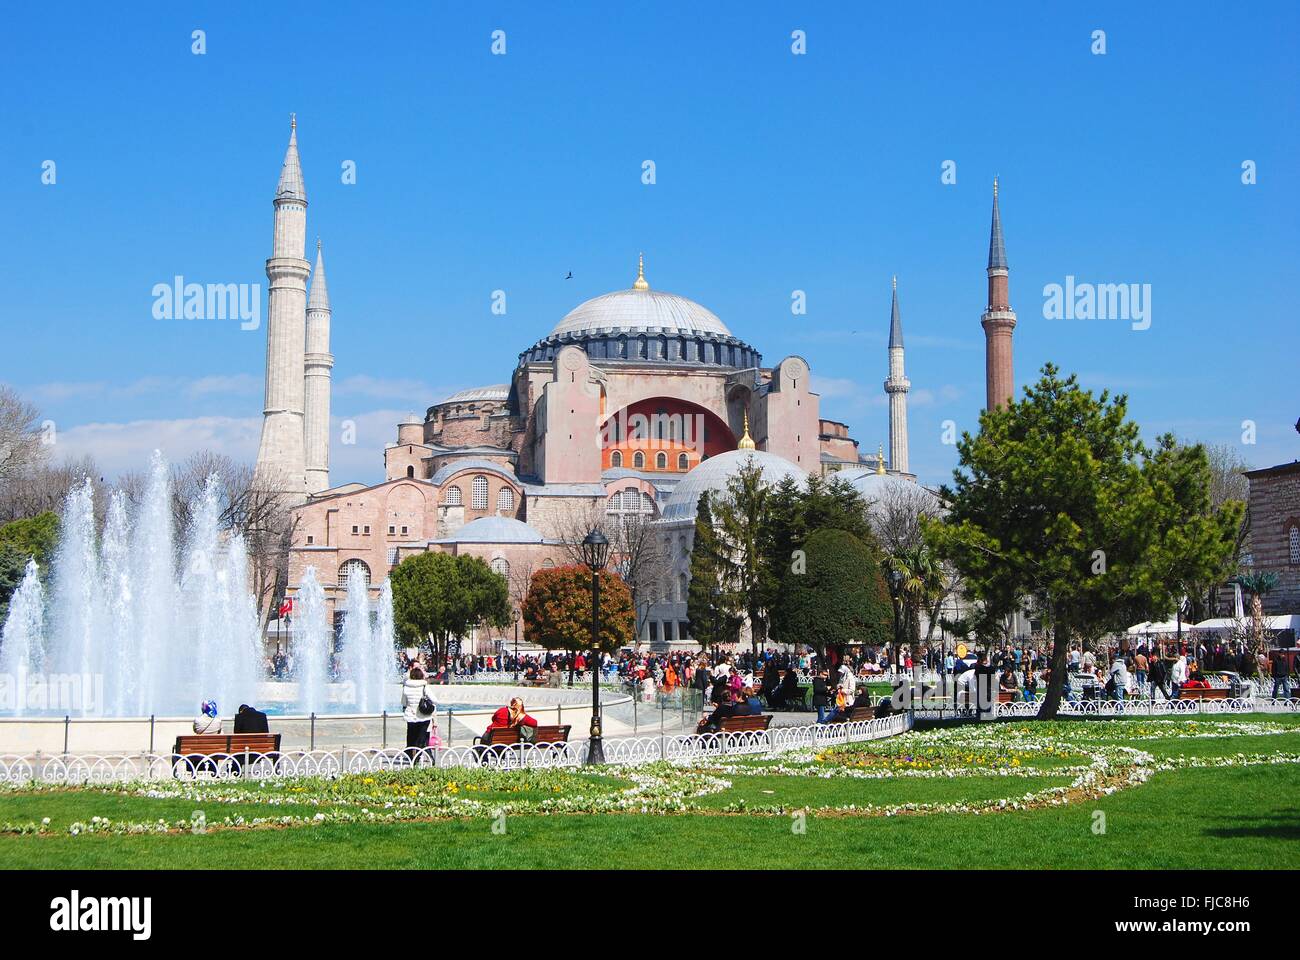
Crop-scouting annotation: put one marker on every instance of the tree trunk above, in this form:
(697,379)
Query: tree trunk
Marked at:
(1060,651)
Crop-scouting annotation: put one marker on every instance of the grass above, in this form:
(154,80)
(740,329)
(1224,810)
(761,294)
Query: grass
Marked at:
(1220,817)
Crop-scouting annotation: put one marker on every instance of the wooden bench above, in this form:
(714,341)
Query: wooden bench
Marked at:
(230,747)
(226,744)
(509,736)
(858,714)
(1204,693)
(756,721)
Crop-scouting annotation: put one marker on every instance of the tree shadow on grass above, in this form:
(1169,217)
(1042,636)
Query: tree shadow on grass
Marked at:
(1283,825)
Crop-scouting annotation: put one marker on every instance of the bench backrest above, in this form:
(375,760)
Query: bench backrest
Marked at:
(227,743)
(510,735)
(752,722)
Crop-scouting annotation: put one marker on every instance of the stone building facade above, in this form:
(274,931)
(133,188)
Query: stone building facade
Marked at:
(1275,532)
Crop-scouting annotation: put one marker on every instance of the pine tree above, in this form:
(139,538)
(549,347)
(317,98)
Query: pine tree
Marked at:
(1058,501)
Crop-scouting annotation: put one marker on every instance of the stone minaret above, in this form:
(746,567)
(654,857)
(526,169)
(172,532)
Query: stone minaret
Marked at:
(897,386)
(999,319)
(316,429)
(281,456)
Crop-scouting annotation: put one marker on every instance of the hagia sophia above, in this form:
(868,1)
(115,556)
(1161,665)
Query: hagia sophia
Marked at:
(633,405)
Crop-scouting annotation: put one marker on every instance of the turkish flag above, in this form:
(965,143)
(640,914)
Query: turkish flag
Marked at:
(286,606)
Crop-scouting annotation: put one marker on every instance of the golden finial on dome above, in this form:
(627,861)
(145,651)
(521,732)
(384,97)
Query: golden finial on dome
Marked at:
(880,459)
(640,274)
(746,441)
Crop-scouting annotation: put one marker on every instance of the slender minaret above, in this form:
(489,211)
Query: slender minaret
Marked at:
(319,360)
(999,319)
(896,387)
(280,457)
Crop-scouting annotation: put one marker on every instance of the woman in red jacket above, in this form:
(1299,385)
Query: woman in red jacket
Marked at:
(511,716)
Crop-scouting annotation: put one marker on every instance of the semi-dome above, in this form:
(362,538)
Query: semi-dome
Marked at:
(711,477)
(495,530)
(496,391)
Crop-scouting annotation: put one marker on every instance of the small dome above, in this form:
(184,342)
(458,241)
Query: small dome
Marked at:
(711,477)
(877,488)
(495,530)
(641,310)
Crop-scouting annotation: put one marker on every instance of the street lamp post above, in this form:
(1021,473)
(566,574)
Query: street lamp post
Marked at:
(595,554)
(515,616)
(896,581)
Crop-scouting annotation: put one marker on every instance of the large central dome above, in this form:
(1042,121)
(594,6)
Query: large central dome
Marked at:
(643,326)
(641,310)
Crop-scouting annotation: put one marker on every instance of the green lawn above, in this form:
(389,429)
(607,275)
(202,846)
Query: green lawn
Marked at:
(1197,805)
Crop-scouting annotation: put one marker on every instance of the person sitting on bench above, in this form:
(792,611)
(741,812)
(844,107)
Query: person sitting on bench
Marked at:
(787,691)
(750,699)
(250,720)
(727,708)
(207,721)
(509,718)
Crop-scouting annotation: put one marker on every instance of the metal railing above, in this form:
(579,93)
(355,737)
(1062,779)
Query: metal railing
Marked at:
(622,751)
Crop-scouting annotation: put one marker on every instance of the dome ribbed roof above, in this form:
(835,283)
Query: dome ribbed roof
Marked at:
(495,530)
(712,475)
(635,309)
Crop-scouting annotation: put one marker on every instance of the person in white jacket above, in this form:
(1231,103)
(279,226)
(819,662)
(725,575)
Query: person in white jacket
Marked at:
(414,688)
(1179,674)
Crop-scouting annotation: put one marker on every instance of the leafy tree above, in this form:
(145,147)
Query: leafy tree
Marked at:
(1059,501)
(35,538)
(437,596)
(838,598)
(557,611)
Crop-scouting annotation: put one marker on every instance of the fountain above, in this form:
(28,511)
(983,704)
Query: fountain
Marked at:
(311,652)
(20,643)
(368,662)
(153,620)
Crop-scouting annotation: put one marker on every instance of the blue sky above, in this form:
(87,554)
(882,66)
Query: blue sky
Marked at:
(775,172)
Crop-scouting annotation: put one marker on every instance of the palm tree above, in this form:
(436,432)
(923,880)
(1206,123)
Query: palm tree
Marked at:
(1256,585)
(920,580)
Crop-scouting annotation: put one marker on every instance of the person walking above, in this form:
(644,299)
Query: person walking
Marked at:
(418,710)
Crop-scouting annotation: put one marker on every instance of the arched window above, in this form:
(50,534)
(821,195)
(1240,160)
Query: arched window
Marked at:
(682,462)
(1293,542)
(661,461)
(410,471)
(453,497)
(616,459)
(683,587)
(505,500)
(548,563)
(501,565)
(353,568)
(479,496)
(638,460)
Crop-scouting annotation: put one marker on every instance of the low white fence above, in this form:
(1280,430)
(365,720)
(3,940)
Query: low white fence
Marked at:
(1150,708)
(621,751)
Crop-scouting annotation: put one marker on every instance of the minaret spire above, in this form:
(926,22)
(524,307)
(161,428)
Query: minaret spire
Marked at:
(896,387)
(281,456)
(318,363)
(999,319)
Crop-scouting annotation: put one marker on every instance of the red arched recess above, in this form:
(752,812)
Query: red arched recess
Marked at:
(663,426)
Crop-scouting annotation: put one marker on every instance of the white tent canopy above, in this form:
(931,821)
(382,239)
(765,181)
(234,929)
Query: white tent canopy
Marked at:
(1286,621)
(1148,626)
